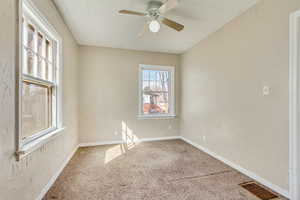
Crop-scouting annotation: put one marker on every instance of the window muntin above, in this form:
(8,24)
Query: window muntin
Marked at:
(38,82)
(156,91)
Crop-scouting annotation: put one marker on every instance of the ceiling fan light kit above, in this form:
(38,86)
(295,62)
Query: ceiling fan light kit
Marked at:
(155,12)
(154,26)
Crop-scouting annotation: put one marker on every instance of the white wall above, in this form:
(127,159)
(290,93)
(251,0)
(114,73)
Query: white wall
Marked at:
(223,108)
(25,179)
(109,95)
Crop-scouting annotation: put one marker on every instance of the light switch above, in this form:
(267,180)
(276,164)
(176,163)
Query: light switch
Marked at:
(266,90)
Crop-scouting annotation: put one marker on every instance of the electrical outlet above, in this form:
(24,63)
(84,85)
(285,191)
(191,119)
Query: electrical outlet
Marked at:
(266,90)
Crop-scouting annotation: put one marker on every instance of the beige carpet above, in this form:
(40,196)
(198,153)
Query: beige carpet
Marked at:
(166,170)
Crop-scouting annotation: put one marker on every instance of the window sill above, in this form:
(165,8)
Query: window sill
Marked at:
(141,117)
(36,144)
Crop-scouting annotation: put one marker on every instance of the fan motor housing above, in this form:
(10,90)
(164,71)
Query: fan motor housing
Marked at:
(154,5)
(153,8)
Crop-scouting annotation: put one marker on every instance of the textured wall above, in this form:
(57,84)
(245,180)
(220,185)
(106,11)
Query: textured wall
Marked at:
(109,95)
(25,179)
(222,79)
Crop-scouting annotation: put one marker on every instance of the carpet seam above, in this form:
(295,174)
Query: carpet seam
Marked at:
(202,176)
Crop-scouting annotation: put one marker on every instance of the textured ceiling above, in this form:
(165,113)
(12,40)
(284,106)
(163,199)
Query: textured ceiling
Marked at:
(97,23)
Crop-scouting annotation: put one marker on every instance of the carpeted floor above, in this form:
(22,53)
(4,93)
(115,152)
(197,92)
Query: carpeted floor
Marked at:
(165,170)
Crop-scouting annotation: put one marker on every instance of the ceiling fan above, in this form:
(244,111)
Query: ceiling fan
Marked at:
(155,12)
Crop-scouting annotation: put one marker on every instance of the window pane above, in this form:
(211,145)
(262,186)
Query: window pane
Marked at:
(36,103)
(41,70)
(31,58)
(164,80)
(155,80)
(155,103)
(49,51)
(49,63)
(46,71)
(49,68)
(155,86)
(30,37)
(40,44)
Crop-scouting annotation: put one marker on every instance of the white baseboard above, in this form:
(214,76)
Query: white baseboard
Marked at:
(241,169)
(92,144)
(159,139)
(121,142)
(55,176)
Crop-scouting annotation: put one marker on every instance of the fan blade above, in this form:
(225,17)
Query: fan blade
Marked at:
(129,12)
(172,24)
(169,5)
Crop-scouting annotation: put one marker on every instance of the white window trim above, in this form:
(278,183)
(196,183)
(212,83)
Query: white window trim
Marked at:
(172,102)
(37,140)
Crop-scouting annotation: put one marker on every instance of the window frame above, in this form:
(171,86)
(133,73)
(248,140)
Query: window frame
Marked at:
(23,147)
(171,71)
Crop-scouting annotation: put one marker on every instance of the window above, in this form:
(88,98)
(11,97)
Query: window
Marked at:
(156,95)
(39,88)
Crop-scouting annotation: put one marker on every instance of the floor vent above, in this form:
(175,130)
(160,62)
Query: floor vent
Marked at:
(258,191)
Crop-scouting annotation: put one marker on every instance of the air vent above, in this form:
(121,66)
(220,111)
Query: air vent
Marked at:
(258,191)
